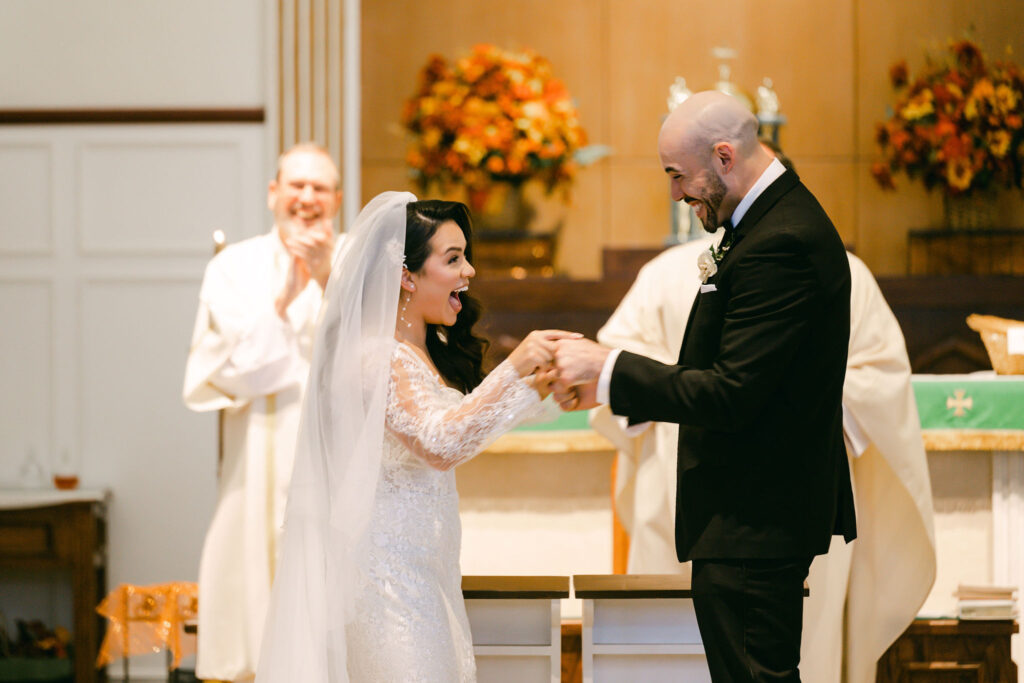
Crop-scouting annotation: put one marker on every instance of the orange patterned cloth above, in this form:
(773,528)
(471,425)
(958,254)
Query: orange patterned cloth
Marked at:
(146,619)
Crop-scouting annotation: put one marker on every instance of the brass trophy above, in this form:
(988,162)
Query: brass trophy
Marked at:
(683,219)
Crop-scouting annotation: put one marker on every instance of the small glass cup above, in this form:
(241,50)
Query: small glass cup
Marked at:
(65,470)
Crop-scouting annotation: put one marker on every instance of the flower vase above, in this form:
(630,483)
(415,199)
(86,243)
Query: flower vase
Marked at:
(509,238)
(972,211)
(503,210)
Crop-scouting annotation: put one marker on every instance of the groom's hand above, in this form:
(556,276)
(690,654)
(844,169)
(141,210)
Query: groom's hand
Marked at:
(579,397)
(579,361)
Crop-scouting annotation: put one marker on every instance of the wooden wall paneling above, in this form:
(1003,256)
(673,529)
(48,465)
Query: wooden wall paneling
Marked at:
(583,235)
(833,182)
(932,313)
(806,48)
(381,175)
(650,43)
(639,203)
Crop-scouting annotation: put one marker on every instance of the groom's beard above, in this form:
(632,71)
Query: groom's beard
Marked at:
(712,201)
(711,196)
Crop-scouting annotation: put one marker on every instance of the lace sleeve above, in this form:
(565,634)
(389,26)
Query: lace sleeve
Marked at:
(445,434)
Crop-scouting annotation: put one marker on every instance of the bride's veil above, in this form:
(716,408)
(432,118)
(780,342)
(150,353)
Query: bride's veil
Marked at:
(337,459)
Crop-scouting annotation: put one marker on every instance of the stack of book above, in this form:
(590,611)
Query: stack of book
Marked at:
(986,602)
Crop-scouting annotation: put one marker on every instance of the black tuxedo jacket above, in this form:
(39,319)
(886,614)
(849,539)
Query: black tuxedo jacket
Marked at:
(762,469)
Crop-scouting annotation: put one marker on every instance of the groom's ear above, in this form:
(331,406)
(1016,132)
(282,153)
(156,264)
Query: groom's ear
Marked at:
(724,155)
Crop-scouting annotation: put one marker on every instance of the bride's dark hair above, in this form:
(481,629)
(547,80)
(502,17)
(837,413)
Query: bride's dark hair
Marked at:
(456,351)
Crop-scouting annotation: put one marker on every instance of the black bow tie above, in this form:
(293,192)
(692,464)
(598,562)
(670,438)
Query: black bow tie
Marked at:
(728,225)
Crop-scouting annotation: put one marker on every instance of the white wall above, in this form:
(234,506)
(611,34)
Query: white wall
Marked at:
(131,53)
(104,235)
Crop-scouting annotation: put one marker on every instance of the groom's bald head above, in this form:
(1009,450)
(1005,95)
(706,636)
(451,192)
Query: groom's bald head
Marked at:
(707,118)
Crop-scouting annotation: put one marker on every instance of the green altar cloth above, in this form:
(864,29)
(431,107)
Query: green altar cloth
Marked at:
(986,402)
(980,412)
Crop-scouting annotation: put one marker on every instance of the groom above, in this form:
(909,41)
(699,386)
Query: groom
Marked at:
(763,481)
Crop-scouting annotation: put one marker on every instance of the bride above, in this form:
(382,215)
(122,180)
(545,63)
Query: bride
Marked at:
(368,588)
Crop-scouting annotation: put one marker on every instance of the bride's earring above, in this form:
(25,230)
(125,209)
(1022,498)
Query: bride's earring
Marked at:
(401,311)
(409,287)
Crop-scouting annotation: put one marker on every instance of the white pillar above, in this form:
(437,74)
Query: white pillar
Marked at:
(351,164)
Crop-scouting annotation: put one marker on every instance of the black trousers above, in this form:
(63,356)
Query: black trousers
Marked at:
(750,614)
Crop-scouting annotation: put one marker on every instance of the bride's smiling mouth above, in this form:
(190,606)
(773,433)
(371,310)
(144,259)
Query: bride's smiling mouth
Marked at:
(453,298)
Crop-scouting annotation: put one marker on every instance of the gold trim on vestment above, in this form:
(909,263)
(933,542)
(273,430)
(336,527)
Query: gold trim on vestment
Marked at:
(271,428)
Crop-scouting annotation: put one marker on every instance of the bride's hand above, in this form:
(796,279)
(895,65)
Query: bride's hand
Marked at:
(544,380)
(537,350)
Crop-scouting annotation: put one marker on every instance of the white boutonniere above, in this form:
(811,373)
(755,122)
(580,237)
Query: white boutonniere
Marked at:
(706,265)
(707,261)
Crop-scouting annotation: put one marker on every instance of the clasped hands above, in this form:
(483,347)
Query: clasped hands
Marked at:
(563,363)
(310,250)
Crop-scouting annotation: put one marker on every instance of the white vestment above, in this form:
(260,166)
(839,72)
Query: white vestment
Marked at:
(864,594)
(247,361)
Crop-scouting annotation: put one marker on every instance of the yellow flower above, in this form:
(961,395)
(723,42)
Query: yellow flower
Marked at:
(1006,98)
(919,106)
(999,143)
(971,109)
(431,137)
(428,105)
(535,110)
(959,173)
(983,90)
(472,149)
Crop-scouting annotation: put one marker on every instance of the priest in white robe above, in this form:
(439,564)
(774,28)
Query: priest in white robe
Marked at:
(250,355)
(862,595)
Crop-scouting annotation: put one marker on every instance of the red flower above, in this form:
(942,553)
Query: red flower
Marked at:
(883,175)
(898,74)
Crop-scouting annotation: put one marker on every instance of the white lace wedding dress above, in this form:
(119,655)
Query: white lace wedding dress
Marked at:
(411,620)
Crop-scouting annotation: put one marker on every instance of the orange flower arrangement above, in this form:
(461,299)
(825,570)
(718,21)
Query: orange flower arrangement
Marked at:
(957,126)
(491,116)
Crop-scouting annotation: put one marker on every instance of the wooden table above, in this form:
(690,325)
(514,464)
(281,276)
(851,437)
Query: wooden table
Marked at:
(48,529)
(516,623)
(950,651)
